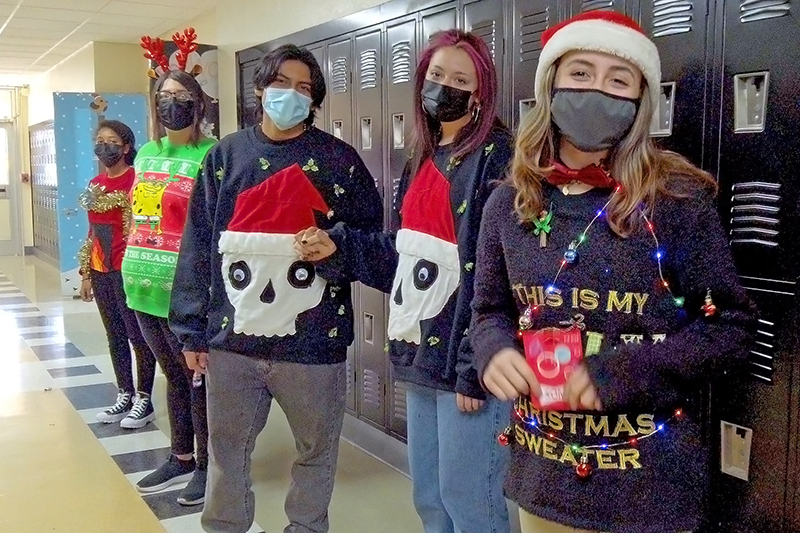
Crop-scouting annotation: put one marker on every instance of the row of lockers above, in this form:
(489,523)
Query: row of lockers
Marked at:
(730,102)
(44,192)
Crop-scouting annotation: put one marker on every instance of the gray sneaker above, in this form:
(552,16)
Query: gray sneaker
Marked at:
(195,491)
(172,472)
(118,411)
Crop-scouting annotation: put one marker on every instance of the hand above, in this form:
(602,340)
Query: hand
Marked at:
(86,291)
(580,391)
(508,376)
(314,244)
(467,404)
(197,361)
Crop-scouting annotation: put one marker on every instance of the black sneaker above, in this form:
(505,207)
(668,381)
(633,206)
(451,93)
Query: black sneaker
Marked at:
(195,491)
(141,414)
(172,472)
(118,411)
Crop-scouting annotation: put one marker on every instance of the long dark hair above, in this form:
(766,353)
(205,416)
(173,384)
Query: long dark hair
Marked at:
(269,68)
(124,133)
(427,130)
(191,85)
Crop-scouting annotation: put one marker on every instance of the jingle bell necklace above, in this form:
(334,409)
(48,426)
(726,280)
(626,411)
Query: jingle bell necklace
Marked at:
(570,257)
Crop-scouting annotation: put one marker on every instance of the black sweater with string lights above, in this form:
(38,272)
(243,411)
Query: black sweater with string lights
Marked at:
(649,354)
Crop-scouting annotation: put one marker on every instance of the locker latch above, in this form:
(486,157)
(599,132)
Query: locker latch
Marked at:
(750,101)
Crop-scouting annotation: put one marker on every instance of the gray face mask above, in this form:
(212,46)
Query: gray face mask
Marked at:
(591,120)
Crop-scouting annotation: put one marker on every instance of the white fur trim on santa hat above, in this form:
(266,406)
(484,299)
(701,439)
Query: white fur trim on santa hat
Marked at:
(240,242)
(428,247)
(607,37)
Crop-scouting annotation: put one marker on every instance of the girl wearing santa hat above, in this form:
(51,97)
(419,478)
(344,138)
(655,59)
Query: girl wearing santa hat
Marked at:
(603,261)
(426,264)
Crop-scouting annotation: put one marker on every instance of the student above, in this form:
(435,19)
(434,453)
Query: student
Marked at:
(427,264)
(166,169)
(261,321)
(633,270)
(106,200)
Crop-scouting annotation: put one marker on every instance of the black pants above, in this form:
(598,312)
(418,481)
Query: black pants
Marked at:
(186,405)
(121,327)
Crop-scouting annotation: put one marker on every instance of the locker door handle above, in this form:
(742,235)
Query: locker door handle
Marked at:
(750,101)
(398,131)
(337,128)
(661,126)
(525,105)
(369,331)
(366,133)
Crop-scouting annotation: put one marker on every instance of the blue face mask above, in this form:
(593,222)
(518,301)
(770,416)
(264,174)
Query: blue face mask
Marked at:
(286,107)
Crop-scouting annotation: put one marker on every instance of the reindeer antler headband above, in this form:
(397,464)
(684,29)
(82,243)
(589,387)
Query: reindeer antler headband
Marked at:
(186,43)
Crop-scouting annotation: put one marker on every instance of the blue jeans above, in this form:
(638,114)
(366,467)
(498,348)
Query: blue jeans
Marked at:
(457,466)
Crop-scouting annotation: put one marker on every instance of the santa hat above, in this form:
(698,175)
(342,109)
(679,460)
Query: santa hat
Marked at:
(601,31)
(427,213)
(265,215)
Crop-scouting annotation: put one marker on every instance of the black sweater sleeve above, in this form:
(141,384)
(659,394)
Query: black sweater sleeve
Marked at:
(362,215)
(188,313)
(494,312)
(467,381)
(653,376)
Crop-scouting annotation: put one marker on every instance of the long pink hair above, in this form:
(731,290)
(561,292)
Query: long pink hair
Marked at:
(427,131)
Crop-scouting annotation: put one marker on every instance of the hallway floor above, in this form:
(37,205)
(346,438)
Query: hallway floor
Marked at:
(61,471)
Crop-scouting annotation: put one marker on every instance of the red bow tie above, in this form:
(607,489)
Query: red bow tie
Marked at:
(592,175)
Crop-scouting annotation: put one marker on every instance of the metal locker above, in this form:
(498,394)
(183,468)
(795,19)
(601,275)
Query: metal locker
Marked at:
(249,105)
(530,18)
(400,56)
(339,84)
(437,19)
(759,64)
(486,18)
(679,30)
(321,121)
(368,126)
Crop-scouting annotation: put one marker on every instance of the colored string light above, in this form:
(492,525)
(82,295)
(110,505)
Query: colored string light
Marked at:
(531,423)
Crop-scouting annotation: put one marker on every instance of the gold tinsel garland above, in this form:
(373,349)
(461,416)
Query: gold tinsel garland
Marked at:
(95,198)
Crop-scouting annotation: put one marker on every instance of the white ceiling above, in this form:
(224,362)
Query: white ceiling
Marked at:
(36,35)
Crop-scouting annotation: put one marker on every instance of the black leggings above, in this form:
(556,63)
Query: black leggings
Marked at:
(186,404)
(121,327)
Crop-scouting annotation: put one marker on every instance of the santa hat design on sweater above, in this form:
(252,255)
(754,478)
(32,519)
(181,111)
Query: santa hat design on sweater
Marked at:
(265,280)
(429,268)
(600,31)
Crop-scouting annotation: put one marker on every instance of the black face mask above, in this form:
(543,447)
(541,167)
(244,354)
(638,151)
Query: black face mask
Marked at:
(108,154)
(175,115)
(444,103)
(591,120)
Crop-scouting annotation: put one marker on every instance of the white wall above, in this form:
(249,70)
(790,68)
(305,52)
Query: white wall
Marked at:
(74,74)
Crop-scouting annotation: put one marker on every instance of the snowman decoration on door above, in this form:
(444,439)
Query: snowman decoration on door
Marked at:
(266,281)
(429,268)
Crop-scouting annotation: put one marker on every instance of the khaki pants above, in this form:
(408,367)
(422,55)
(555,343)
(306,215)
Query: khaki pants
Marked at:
(534,524)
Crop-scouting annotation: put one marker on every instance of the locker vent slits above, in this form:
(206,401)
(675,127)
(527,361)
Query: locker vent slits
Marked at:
(369,69)
(591,5)
(349,372)
(401,62)
(672,17)
(399,404)
(755,10)
(531,27)
(761,359)
(755,214)
(372,388)
(486,31)
(339,75)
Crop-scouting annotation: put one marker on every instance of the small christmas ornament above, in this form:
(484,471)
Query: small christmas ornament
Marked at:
(525,319)
(571,255)
(543,226)
(709,308)
(504,438)
(584,469)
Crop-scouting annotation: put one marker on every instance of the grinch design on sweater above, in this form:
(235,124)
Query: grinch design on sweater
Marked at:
(266,281)
(428,269)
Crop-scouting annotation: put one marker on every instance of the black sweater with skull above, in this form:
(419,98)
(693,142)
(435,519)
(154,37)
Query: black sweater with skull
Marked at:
(240,286)
(649,354)
(426,263)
